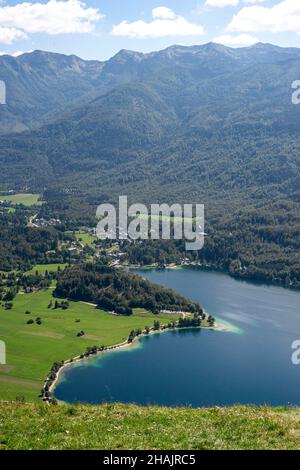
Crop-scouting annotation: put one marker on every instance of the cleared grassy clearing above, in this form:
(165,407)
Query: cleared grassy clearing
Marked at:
(42,268)
(25,199)
(85,238)
(167,218)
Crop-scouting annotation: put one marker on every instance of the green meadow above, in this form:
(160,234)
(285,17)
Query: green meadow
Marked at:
(23,198)
(33,348)
(83,237)
(42,268)
(167,218)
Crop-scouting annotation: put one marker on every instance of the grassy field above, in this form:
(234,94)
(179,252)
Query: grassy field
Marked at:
(42,268)
(85,238)
(31,426)
(32,349)
(166,218)
(25,199)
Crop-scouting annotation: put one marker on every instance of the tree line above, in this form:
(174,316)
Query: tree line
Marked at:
(118,291)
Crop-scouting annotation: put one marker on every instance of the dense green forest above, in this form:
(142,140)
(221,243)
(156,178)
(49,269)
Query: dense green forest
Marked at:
(118,291)
(23,246)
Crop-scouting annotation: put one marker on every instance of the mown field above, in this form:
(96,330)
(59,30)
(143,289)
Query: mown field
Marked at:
(25,199)
(32,349)
(167,218)
(83,237)
(32,426)
(42,268)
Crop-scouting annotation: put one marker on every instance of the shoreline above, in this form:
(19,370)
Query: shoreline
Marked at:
(78,359)
(219,326)
(211,268)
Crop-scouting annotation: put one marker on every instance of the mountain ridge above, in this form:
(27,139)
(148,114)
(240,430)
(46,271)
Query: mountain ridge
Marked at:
(42,84)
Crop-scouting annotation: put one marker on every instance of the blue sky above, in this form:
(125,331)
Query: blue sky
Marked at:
(97,29)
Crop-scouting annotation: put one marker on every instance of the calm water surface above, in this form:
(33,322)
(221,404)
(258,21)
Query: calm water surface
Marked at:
(252,364)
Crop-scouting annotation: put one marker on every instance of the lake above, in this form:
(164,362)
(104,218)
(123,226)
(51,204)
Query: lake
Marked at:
(249,365)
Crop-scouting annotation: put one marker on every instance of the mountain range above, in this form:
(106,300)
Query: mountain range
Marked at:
(190,124)
(187,109)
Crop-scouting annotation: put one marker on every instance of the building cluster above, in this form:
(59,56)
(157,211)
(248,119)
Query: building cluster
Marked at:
(46,223)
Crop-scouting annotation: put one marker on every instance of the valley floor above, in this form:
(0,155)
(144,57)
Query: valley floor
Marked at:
(112,427)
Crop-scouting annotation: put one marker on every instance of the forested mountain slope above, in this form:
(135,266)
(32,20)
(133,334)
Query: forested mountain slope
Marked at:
(215,123)
(190,124)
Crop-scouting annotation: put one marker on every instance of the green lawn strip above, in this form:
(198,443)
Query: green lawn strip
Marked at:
(31,426)
(25,199)
(32,349)
(42,268)
(166,218)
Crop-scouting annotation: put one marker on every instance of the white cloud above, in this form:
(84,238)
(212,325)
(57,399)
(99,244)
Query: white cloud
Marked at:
(53,17)
(221,3)
(163,13)
(8,35)
(236,41)
(229,3)
(283,17)
(15,54)
(18,53)
(165,23)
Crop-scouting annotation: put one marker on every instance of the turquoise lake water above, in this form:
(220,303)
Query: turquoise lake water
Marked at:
(251,364)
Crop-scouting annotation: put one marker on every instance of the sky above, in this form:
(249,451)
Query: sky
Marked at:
(98,29)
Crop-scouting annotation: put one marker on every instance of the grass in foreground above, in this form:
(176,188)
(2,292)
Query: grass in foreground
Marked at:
(32,349)
(29,426)
(25,199)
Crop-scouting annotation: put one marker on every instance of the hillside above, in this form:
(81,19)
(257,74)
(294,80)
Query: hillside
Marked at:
(220,116)
(205,124)
(211,124)
(40,85)
(28,426)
